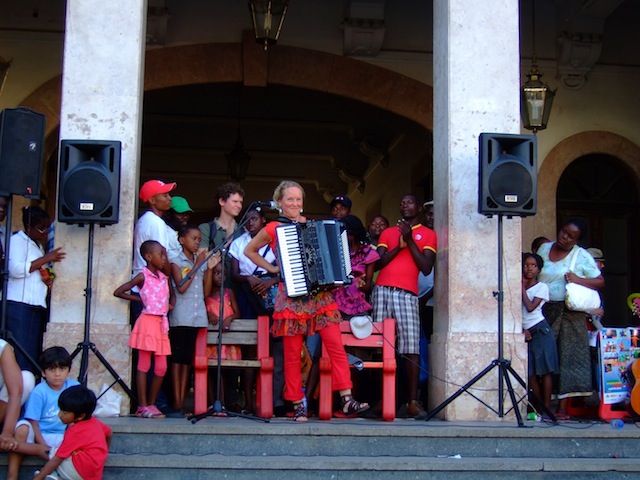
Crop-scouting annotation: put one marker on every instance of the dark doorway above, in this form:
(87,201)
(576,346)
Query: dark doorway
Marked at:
(602,191)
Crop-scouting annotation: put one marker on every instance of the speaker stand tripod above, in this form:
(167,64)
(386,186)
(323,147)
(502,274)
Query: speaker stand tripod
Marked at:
(86,344)
(505,370)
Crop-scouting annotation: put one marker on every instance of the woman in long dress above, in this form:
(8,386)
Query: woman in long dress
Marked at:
(569,327)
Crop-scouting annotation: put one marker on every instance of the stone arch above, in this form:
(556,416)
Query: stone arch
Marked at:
(247,63)
(559,158)
(241,62)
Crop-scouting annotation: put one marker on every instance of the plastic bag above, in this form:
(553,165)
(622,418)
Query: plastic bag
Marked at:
(580,298)
(109,402)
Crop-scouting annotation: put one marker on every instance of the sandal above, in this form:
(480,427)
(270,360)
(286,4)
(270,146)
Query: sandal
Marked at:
(300,412)
(351,406)
(151,411)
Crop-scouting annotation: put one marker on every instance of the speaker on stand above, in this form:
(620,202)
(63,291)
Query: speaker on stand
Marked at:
(89,182)
(508,187)
(21,150)
(508,174)
(89,193)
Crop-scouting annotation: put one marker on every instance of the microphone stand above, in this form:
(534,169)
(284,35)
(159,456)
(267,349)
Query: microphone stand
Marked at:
(217,408)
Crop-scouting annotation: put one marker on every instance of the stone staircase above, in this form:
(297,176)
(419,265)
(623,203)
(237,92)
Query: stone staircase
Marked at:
(355,449)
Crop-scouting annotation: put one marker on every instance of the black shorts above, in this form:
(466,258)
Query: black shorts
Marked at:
(183,344)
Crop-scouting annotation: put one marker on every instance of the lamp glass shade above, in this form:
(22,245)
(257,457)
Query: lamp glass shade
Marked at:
(238,161)
(267,18)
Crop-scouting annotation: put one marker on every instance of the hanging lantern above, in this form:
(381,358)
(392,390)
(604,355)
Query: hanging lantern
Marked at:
(267,17)
(238,160)
(536,101)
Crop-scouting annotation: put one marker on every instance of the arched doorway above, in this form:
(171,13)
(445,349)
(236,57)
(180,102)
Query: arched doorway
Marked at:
(600,189)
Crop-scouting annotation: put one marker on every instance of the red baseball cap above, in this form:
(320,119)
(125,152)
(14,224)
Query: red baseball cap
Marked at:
(154,187)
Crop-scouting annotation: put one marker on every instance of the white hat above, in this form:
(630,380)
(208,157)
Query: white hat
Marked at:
(361,326)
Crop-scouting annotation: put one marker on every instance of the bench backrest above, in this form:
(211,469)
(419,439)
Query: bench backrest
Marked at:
(244,332)
(241,332)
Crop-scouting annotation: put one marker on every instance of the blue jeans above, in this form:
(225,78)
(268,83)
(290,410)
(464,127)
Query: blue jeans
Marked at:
(26,324)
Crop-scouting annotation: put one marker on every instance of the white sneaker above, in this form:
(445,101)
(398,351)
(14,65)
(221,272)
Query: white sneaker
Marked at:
(51,476)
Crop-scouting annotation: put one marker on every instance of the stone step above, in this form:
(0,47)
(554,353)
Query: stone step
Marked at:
(361,449)
(251,467)
(366,438)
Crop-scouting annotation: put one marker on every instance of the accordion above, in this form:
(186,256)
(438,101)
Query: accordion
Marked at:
(313,255)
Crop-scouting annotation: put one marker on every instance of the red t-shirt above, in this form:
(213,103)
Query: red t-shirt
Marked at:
(402,271)
(86,443)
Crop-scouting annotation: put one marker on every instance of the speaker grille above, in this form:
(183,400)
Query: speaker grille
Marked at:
(510,183)
(87,192)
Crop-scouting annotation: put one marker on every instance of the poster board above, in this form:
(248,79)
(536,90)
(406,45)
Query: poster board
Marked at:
(618,349)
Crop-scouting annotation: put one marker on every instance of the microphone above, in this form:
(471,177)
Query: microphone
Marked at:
(270,204)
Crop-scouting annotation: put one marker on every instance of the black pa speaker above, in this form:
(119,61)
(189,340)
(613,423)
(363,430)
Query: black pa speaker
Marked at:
(21,148)
(89,182)
(508,174)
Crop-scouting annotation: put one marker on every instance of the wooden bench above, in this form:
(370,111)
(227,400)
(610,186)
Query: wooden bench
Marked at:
(242,332)
(384,337)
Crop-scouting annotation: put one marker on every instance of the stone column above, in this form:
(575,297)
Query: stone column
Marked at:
(476,89)
(102,88)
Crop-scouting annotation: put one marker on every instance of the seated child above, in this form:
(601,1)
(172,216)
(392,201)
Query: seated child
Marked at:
(230,312)
(85,446)
(41,424)
(15,388)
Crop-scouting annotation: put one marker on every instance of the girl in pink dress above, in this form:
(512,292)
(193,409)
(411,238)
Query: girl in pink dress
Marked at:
(352,299)
(230,312)
(150,334)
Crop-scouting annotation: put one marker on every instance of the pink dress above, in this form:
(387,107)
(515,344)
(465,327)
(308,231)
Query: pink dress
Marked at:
(151,332)
(350,299)
(228,352)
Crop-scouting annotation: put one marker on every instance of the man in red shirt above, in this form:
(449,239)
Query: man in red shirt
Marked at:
(405,250)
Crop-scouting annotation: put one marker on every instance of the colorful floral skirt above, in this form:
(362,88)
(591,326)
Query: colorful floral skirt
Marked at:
(303,315)
(570,330)
(228,352)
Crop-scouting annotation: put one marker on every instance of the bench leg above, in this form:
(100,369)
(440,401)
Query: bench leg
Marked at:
(200,373)
(264,389)
(389,390)
(325,403)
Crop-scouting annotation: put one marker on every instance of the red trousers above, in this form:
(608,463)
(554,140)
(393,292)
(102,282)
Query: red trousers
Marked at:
(340,373)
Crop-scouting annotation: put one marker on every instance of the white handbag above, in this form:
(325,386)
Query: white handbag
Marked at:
(580,298)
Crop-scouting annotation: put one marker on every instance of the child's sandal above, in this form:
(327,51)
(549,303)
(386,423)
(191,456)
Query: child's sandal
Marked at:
(351,406)
(151,411)
(300,412)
